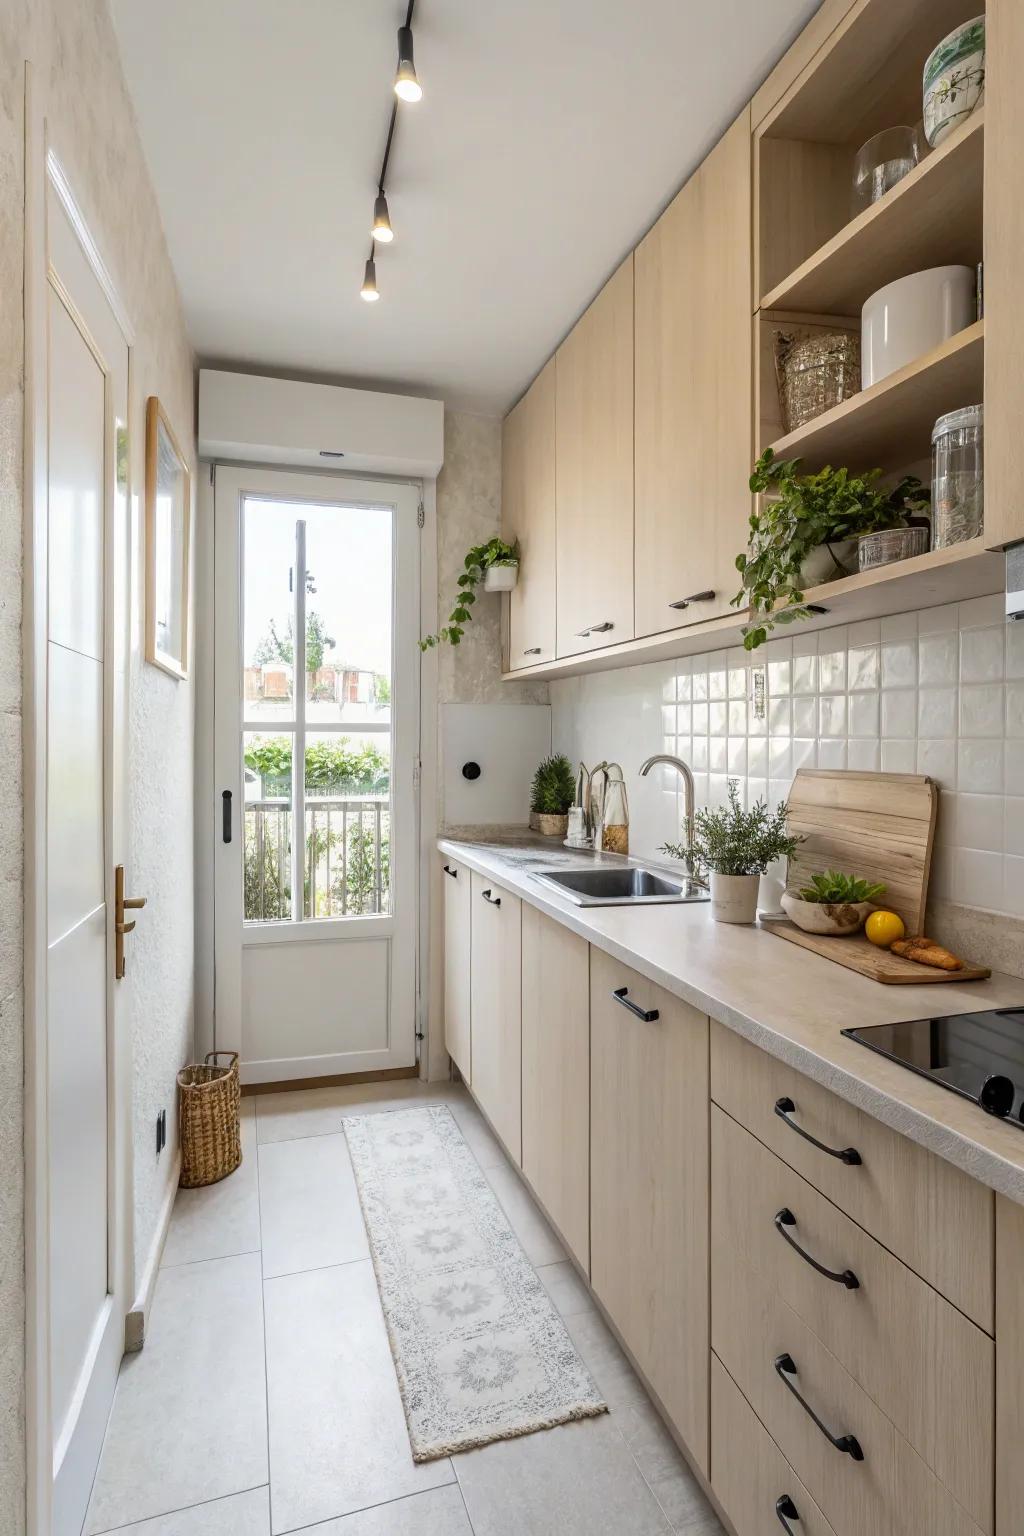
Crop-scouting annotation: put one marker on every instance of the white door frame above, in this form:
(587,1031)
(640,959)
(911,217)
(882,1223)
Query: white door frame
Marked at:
(232,483)
(44,178)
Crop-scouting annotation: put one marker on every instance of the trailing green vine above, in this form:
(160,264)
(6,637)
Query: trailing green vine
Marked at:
(475,566)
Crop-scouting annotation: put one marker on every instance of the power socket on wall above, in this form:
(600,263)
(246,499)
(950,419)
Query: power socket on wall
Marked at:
(161,1131)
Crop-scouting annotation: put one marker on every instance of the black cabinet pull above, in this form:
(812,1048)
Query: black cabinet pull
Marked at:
(225,806)
(694,597)
(648,1015)
(532,650)
(449,871)
(785,1367)
(786,1511)
(784,1219)
(495,901)
(849,1155)
(595,629)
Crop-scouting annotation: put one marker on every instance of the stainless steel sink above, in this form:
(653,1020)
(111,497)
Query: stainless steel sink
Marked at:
(619,886)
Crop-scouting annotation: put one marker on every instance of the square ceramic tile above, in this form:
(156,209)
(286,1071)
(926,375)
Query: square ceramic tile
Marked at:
(1014,768)
(937,712)
(981,709)
(566,1288)
(737,758)
(778,791)
(1014,638)
(718,754)
(684,719)
(804,754)
(831,669)
(700,684)
(779,677)
(863,756)
(902,626)
(780,717)
(684,682)
(737,684)
(864,711)
(805,674)
(937,660)
(867,632)
(982,657)
(980,611)
(717,680)
(1013,886)
(832,753)
(937,759)
(699,719)
(536,1238)
(978,878)
(805,717)
(780,757)
(864,667)
(438,1512)
(221,1219)
(668,719)
(240,1514)
(718,790)
(980,767)
(1014,825)
(899,712)
(309,1205)
(933,621)
(737,718)
(1015,711)
(979,822)
(699,753)
(899,757)
(757,756)
(718,718)
(832,716)
(899,663)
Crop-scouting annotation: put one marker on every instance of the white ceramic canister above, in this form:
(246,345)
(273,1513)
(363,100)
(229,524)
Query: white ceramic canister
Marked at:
(909,317)
(502,576)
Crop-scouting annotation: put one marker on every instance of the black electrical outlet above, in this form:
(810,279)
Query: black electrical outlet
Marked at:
(161,1131)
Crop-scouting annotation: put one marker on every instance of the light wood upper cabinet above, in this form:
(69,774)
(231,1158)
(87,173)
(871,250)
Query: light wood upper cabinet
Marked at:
(496,932)
(556,1075)
(528,514)
(693,393)
(457,917)
(594,467)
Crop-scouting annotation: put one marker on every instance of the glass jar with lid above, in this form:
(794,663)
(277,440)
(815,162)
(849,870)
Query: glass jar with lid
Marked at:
(958,503)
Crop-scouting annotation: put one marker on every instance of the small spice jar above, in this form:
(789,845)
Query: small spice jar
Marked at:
(958,502)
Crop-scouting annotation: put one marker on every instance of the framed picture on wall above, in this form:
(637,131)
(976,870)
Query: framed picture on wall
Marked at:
(168,534)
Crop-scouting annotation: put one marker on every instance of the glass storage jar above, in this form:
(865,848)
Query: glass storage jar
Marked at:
(958,505)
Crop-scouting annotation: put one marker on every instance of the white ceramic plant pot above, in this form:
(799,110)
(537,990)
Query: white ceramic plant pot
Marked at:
(734,897)
(909,317)
(829,562)
(837,918)
(954,80)
(502,576)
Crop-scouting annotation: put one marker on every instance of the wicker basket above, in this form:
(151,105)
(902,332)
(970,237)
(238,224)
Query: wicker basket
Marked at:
(211,1144)
(815,370)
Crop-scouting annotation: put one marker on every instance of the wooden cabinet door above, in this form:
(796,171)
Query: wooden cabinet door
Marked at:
(528,514)
(649,1186)
(556,1075)
(457,917)
(594,468)
(496,1011)
(694,393)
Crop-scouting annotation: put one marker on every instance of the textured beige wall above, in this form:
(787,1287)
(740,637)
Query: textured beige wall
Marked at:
(78,79)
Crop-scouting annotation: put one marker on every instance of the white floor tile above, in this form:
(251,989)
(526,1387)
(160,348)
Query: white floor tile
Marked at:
(538,1241)
(189,1416)
(619,1384)
(221,1219)
(568,1292)
(338,1439)
(309,1205)
(577,1479)
(480,1139)
(241,1514)
(319,1111)
(441,1512)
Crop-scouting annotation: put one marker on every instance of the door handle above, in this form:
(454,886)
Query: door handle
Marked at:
(785,1367)
(648,1015)
(495,901)
(532,650)
(225,800)
(785,1107)
(694,597)
(786,1511)
(784,1219)
(122,903)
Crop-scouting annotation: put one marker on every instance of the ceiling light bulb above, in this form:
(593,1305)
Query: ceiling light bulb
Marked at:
(381,220)
(369,289)
(407,87)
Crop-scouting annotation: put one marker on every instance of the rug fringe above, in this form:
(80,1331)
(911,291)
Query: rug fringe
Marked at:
(474,1442)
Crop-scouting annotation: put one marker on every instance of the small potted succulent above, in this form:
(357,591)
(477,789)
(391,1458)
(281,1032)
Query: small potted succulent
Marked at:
(833,903)
(496,564)
(551,794)
(736,847)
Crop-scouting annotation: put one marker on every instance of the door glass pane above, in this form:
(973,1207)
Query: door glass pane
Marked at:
(348,824)
(348,614)
(267,775)
(269,611)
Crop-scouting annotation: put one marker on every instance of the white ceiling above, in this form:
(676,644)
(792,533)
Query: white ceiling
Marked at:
(550,134)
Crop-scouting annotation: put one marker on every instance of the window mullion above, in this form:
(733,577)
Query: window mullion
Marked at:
(299,749)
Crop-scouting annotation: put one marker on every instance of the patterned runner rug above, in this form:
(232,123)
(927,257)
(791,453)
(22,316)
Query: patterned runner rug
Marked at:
(480,1352)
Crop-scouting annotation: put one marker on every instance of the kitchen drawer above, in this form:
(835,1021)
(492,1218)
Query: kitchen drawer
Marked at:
(907,1198)
(927,1366)
(889,1491)
(750,1477)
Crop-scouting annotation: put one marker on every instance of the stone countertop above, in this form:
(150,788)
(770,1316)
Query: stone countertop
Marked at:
(791,1003)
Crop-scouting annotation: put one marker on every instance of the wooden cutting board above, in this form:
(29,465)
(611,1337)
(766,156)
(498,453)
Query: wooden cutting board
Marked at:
(880,826)
(859,954)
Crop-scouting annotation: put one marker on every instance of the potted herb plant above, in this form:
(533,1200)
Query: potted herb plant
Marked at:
(805,532)
(736,847)
(551,794)
(496,564)
(833,903)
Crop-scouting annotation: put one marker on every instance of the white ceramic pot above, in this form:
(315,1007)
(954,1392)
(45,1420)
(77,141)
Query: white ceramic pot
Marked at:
(734,897)
(502,577)
(838,918)
(909,317)
(829,562)
(954,80)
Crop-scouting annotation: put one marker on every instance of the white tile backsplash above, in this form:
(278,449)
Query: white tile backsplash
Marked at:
(915,693)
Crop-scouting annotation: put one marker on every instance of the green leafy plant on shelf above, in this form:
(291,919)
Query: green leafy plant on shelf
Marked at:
(475,567)
(804,512)
(732,841)
(835,888)
(554,787)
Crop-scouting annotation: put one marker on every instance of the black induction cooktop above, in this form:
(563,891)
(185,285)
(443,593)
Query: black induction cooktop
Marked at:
(978,1055)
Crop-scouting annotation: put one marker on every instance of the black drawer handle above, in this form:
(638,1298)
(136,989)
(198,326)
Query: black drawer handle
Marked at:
(786,1511)
(694,597)
(449,871)
(495,901)
(784,1219)
(849,1155)
(621,995)
(785,1366)
(532,650)
(225,804)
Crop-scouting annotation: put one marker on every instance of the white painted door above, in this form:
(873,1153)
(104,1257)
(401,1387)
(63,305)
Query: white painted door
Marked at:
(86,648)
(317,616)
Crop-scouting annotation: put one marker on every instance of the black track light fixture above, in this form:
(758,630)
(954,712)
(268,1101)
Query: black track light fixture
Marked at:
(382,230)
(369,289)
(407,86)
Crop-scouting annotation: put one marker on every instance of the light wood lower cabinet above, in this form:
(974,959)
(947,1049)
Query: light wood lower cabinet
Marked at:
(1009,1367)
(556,1075)
(496,992)
(457,916)
(649,1178)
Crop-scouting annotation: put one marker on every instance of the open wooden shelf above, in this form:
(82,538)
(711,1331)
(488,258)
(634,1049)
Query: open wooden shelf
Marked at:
(890,424)
(932,218)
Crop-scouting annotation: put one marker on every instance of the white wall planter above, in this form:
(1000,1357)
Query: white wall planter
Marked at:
(502,576)
(734,897)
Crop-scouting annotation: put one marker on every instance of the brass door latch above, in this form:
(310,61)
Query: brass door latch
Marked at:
(121,903)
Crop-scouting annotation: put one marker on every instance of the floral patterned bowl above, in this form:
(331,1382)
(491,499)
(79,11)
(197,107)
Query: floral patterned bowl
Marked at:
(954,80)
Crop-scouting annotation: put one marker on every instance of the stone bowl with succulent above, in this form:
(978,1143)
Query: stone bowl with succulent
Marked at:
(834,903)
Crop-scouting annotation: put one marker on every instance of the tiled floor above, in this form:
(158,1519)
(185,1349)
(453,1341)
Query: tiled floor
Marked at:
(265,1400)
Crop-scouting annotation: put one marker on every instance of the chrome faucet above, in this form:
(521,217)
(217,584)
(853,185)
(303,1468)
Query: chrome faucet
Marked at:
(688,795)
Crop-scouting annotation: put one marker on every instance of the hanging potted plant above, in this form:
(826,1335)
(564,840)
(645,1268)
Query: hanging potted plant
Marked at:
(496,564)
(806,534)
(551,794)
(736,847)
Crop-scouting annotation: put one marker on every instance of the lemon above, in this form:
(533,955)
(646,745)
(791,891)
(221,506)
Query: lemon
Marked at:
(883,927)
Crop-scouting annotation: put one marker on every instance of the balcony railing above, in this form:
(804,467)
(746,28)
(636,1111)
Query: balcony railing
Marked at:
(346,861)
